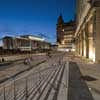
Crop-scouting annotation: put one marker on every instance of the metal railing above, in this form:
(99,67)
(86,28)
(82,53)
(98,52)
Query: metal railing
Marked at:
(22,88)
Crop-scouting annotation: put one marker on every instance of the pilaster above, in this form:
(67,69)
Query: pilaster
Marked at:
(97,45)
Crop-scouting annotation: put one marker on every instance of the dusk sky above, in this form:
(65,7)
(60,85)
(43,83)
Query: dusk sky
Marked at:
(33,16)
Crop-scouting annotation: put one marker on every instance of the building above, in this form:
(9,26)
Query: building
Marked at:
(65,34)
(54,47)
(87,35)
(25,43)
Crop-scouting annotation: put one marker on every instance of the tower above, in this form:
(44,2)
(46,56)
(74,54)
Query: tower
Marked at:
(59,28)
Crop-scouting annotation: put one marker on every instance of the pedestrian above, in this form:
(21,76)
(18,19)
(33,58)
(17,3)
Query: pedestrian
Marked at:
(29,61)
(26,61)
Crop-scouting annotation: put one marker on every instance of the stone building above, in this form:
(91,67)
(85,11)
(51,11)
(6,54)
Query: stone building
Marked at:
(65,34)
(87,35)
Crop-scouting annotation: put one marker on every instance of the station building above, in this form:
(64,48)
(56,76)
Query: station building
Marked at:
(65,35)
(25,43)
(87,35)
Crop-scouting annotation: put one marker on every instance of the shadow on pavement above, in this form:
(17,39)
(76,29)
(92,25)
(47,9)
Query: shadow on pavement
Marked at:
(78,89)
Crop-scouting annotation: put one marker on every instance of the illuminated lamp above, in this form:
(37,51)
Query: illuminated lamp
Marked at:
(92,55)
(73,50)
(63,30)
(85,53)
(63,42)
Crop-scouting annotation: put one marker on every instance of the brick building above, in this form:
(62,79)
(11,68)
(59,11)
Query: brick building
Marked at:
(65,34)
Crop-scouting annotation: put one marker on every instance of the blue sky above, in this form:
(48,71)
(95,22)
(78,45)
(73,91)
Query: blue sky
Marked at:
(33,16)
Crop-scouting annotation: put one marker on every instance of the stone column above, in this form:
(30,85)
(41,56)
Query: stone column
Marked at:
(76,45)
(84,43)
(79,44)
(91,39)
(97,45)
(91,49)
(87,41)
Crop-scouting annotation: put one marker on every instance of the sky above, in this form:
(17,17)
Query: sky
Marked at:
(18,17)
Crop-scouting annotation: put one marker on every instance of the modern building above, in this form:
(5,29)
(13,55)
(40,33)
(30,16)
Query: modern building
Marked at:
(25,43)
(87,35)
(65,35)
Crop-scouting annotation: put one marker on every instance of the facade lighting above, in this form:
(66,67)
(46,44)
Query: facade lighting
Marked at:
(92,55)
(90,28)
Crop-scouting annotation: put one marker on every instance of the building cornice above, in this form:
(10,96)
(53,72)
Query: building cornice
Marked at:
(83,18)
(90,5)
(96,3)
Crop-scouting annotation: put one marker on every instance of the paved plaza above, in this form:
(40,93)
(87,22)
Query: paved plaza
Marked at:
(61,77)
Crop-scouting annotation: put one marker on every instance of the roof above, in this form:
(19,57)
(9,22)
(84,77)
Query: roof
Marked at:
(25,37)
(7,37)
(33,37)
(70,23)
